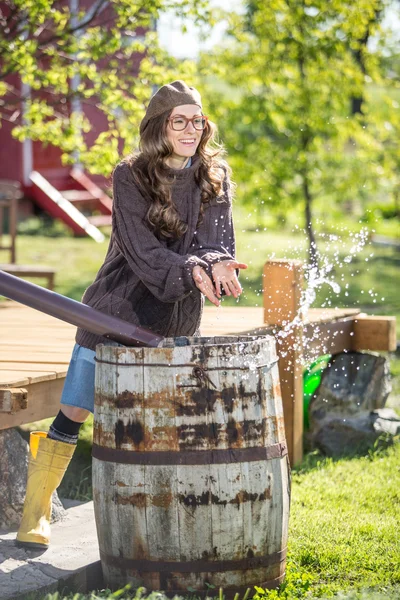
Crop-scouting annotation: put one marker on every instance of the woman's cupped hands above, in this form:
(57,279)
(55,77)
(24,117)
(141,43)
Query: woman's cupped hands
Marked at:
(224,277)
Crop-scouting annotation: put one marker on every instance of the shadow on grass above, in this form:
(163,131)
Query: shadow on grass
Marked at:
(315,460)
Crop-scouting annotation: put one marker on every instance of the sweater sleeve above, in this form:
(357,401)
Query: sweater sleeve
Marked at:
(165,273)
(214,239)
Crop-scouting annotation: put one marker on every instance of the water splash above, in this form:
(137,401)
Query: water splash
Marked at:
(329,270)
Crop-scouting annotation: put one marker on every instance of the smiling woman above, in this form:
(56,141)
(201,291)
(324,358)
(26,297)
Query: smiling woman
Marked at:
(172,243)
(185,129)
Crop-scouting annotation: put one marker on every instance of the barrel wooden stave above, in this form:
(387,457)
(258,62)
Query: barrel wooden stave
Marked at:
(183,514)
(174,416)
(172,495)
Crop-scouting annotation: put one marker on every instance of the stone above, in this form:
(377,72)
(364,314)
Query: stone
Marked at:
(347,412)
(70,564)
(353,382)
(14,456)
(340,436)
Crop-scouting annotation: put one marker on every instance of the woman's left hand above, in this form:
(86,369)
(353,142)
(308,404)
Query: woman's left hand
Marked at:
(224,274)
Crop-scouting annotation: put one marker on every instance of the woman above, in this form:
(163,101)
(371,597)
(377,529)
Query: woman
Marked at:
(172,242)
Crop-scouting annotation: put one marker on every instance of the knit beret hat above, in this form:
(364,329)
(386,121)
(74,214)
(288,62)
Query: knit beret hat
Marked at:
(167,97)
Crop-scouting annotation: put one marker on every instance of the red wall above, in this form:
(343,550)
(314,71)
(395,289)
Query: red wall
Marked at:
(47,157)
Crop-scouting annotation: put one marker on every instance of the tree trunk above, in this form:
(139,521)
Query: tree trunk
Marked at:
(312,244)
(396,196)
(306,139)
(357,102)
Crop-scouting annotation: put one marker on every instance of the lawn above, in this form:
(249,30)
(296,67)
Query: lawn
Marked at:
(367,275)
(344,535)
(345,514)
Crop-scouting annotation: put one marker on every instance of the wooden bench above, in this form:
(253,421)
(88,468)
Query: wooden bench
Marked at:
(31,271)
(10,193)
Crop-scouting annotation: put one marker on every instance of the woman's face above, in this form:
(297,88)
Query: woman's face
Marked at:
(185,142)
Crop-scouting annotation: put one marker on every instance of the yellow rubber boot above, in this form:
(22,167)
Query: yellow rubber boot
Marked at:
(48,462)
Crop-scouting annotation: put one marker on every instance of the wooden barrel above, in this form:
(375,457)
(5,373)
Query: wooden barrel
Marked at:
(191,481)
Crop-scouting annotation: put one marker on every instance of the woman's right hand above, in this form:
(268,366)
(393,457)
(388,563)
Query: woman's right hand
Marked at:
(204,284)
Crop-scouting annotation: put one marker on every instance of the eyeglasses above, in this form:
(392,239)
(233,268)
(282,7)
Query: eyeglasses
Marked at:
(179,122)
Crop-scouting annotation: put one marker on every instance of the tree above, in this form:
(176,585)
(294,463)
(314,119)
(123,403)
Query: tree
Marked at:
(105,55)
(295,67)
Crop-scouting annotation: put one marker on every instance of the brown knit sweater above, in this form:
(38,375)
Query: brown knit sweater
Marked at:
(149,282)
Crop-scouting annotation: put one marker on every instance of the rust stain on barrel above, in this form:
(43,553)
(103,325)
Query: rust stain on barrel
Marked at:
(127,399)
(199,400)
(131,433)
(281,428)
(207,497)
(102,437)
(203,435)
(141,500)
(232,432)
(162,500)
(276,390)
(164,400)
(161,438)
(218,435)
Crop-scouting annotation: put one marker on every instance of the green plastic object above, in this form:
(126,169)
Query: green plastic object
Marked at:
(311,380)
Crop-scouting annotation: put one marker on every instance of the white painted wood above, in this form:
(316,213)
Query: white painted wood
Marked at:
(226,517)
(194,519)
(162,521)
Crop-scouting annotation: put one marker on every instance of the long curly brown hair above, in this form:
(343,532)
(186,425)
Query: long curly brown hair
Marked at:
(153,176)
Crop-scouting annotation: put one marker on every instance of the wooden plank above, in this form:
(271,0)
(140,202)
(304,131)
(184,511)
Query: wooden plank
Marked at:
(31,345)
(374,333)
(319,315)
(328,338)
(162,489)
(43,402)
(226,483)
(36,355)
(282,288)
(13,399)
(13,378)
(58,369)
(32,376)
(282,296)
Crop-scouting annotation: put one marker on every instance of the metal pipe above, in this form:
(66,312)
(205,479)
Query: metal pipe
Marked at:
(76,313)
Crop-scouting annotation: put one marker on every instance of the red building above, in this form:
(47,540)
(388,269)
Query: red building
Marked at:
(66,193)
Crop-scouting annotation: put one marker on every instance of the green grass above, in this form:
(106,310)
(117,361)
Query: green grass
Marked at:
(372,276)
(344,522)
(344,535)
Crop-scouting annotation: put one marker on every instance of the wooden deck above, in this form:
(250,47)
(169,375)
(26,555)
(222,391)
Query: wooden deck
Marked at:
(35,350)
(36,347)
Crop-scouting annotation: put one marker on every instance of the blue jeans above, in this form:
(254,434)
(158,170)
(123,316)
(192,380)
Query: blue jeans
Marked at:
(79,383)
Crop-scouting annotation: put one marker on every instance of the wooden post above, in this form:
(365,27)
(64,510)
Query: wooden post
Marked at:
(13,220)
(373,332)
(282,288)
(10,193)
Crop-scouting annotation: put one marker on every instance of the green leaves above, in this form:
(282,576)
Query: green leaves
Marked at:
(107,57)
(293,70)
